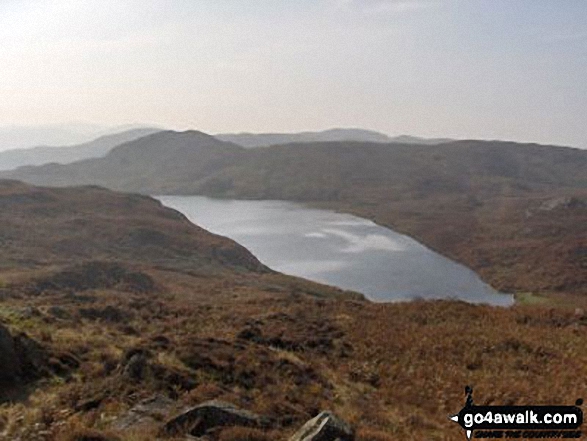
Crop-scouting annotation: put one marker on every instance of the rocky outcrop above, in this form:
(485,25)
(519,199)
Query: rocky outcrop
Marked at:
(22,360)
(325,427)
(9,363)
(33,358)
(200,419)
(146,413)
(138,365)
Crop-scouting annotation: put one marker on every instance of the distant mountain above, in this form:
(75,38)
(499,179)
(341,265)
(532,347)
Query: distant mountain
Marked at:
(11,159)
(478,202)
(407,139)
(17,137)
(45,154)
(194,162)
(65,134)
(161,163)
(252,140)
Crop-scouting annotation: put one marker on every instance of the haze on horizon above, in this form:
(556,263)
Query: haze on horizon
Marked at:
(485,69)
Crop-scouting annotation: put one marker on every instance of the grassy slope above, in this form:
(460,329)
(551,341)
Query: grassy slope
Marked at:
(277,345)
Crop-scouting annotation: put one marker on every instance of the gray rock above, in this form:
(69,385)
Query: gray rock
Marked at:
(33,358)
(146,413)
(10,368)
(198,420)
(137,367)
(325,427)
(22,360)
(135,364)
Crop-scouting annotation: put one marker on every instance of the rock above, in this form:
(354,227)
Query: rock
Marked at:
(200,419)
(146,413)
(21,358)
(136,365)
(32,357)
(9,362)
(325,427)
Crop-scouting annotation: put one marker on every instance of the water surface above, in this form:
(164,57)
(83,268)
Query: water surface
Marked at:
(337,249)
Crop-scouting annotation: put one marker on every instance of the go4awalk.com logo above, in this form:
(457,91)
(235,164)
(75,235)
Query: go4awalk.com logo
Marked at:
(522,422)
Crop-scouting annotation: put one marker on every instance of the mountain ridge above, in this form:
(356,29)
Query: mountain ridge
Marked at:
(255,140)
(476,202)
(39,155)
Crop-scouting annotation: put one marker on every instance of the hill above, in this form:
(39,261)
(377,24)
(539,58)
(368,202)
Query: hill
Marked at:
(252,140)
(47,227)
(153,316)
(10,159)
(17,137)
(156,164)
(40,155)
(515,213)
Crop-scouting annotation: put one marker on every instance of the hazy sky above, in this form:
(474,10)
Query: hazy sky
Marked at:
(508,69)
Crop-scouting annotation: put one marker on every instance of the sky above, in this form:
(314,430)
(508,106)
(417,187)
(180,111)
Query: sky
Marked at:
(486,69)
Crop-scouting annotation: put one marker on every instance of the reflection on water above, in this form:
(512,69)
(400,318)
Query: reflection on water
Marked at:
(337,249)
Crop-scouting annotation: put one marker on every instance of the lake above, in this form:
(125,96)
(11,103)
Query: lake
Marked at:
(337,249)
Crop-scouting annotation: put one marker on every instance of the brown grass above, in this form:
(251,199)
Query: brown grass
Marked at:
(283,348)
(394,371)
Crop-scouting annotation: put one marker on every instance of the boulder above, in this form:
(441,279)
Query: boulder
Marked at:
(138,365)
(22,360)
(200,419)
(9,360)
(145,413)
(325,427)
(32,357)
(135,364)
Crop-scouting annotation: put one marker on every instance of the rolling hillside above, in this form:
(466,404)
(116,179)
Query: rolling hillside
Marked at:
(48,227)
(117,315)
